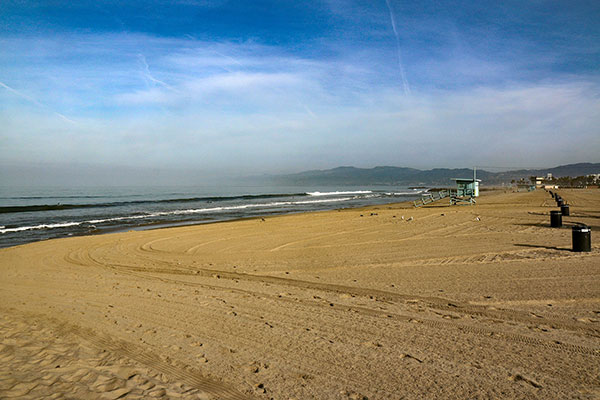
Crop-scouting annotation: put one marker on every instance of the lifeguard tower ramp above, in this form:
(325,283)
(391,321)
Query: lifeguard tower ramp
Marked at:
(431,197)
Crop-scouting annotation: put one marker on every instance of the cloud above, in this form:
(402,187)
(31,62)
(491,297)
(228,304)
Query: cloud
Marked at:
(536,125)
(405,85)
(35,102)
(181,102)
(148,75)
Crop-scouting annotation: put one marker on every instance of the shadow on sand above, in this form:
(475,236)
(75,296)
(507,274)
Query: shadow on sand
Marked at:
(544,247)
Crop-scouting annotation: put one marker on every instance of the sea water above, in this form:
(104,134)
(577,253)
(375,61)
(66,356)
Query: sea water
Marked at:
(29,214)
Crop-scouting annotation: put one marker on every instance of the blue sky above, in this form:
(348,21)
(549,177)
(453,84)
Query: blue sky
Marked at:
(250,87)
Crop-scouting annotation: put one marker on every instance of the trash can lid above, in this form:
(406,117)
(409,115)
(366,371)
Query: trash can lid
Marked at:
(582,228)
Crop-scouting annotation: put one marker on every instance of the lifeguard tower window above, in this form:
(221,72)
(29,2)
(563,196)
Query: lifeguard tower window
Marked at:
(467,187)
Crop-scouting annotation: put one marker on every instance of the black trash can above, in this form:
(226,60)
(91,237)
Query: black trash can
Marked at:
(559,202)
(555,219)
(582,238)
(564,210)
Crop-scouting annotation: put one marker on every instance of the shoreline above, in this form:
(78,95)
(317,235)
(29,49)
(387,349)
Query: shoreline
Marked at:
(175,224)
(447,302)
(116,211)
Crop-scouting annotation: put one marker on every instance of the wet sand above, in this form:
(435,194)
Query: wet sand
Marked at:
(386,302)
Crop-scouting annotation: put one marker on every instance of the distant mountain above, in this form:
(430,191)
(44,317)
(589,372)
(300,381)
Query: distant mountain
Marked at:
(386,175)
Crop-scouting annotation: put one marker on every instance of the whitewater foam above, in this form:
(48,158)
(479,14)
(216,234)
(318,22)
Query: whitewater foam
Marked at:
(338,193)
(41,226)
(405,193)
(165,213)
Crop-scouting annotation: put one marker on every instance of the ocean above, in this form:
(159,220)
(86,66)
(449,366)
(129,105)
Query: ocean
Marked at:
(29,214)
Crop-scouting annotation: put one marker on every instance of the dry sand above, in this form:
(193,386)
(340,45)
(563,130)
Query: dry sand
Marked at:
(483,301)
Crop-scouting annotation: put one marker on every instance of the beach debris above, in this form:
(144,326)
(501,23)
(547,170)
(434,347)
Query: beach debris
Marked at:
(252,368)
(521,378)
(202,358)
(353,395)
(410,218)
(477,218)
(450,316)
(406,355)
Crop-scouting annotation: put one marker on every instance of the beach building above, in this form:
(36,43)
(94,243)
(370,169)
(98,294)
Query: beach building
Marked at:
(539,182)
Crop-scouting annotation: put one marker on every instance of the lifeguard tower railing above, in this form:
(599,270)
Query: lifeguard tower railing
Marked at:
(430,197)
(456,196)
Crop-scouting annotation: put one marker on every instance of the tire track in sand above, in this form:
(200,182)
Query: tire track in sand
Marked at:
(427,301)
(430,302)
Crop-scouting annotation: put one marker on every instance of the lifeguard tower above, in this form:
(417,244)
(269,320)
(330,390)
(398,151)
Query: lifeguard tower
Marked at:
(467,189)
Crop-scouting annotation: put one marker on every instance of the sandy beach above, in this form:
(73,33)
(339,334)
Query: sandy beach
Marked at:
(387,302)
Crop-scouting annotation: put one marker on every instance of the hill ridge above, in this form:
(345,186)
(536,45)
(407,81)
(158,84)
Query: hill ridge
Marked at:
(392,175)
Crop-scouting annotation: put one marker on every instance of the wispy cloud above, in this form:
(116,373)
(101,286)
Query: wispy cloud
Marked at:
(148,75)
(35,102)
(405,85)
